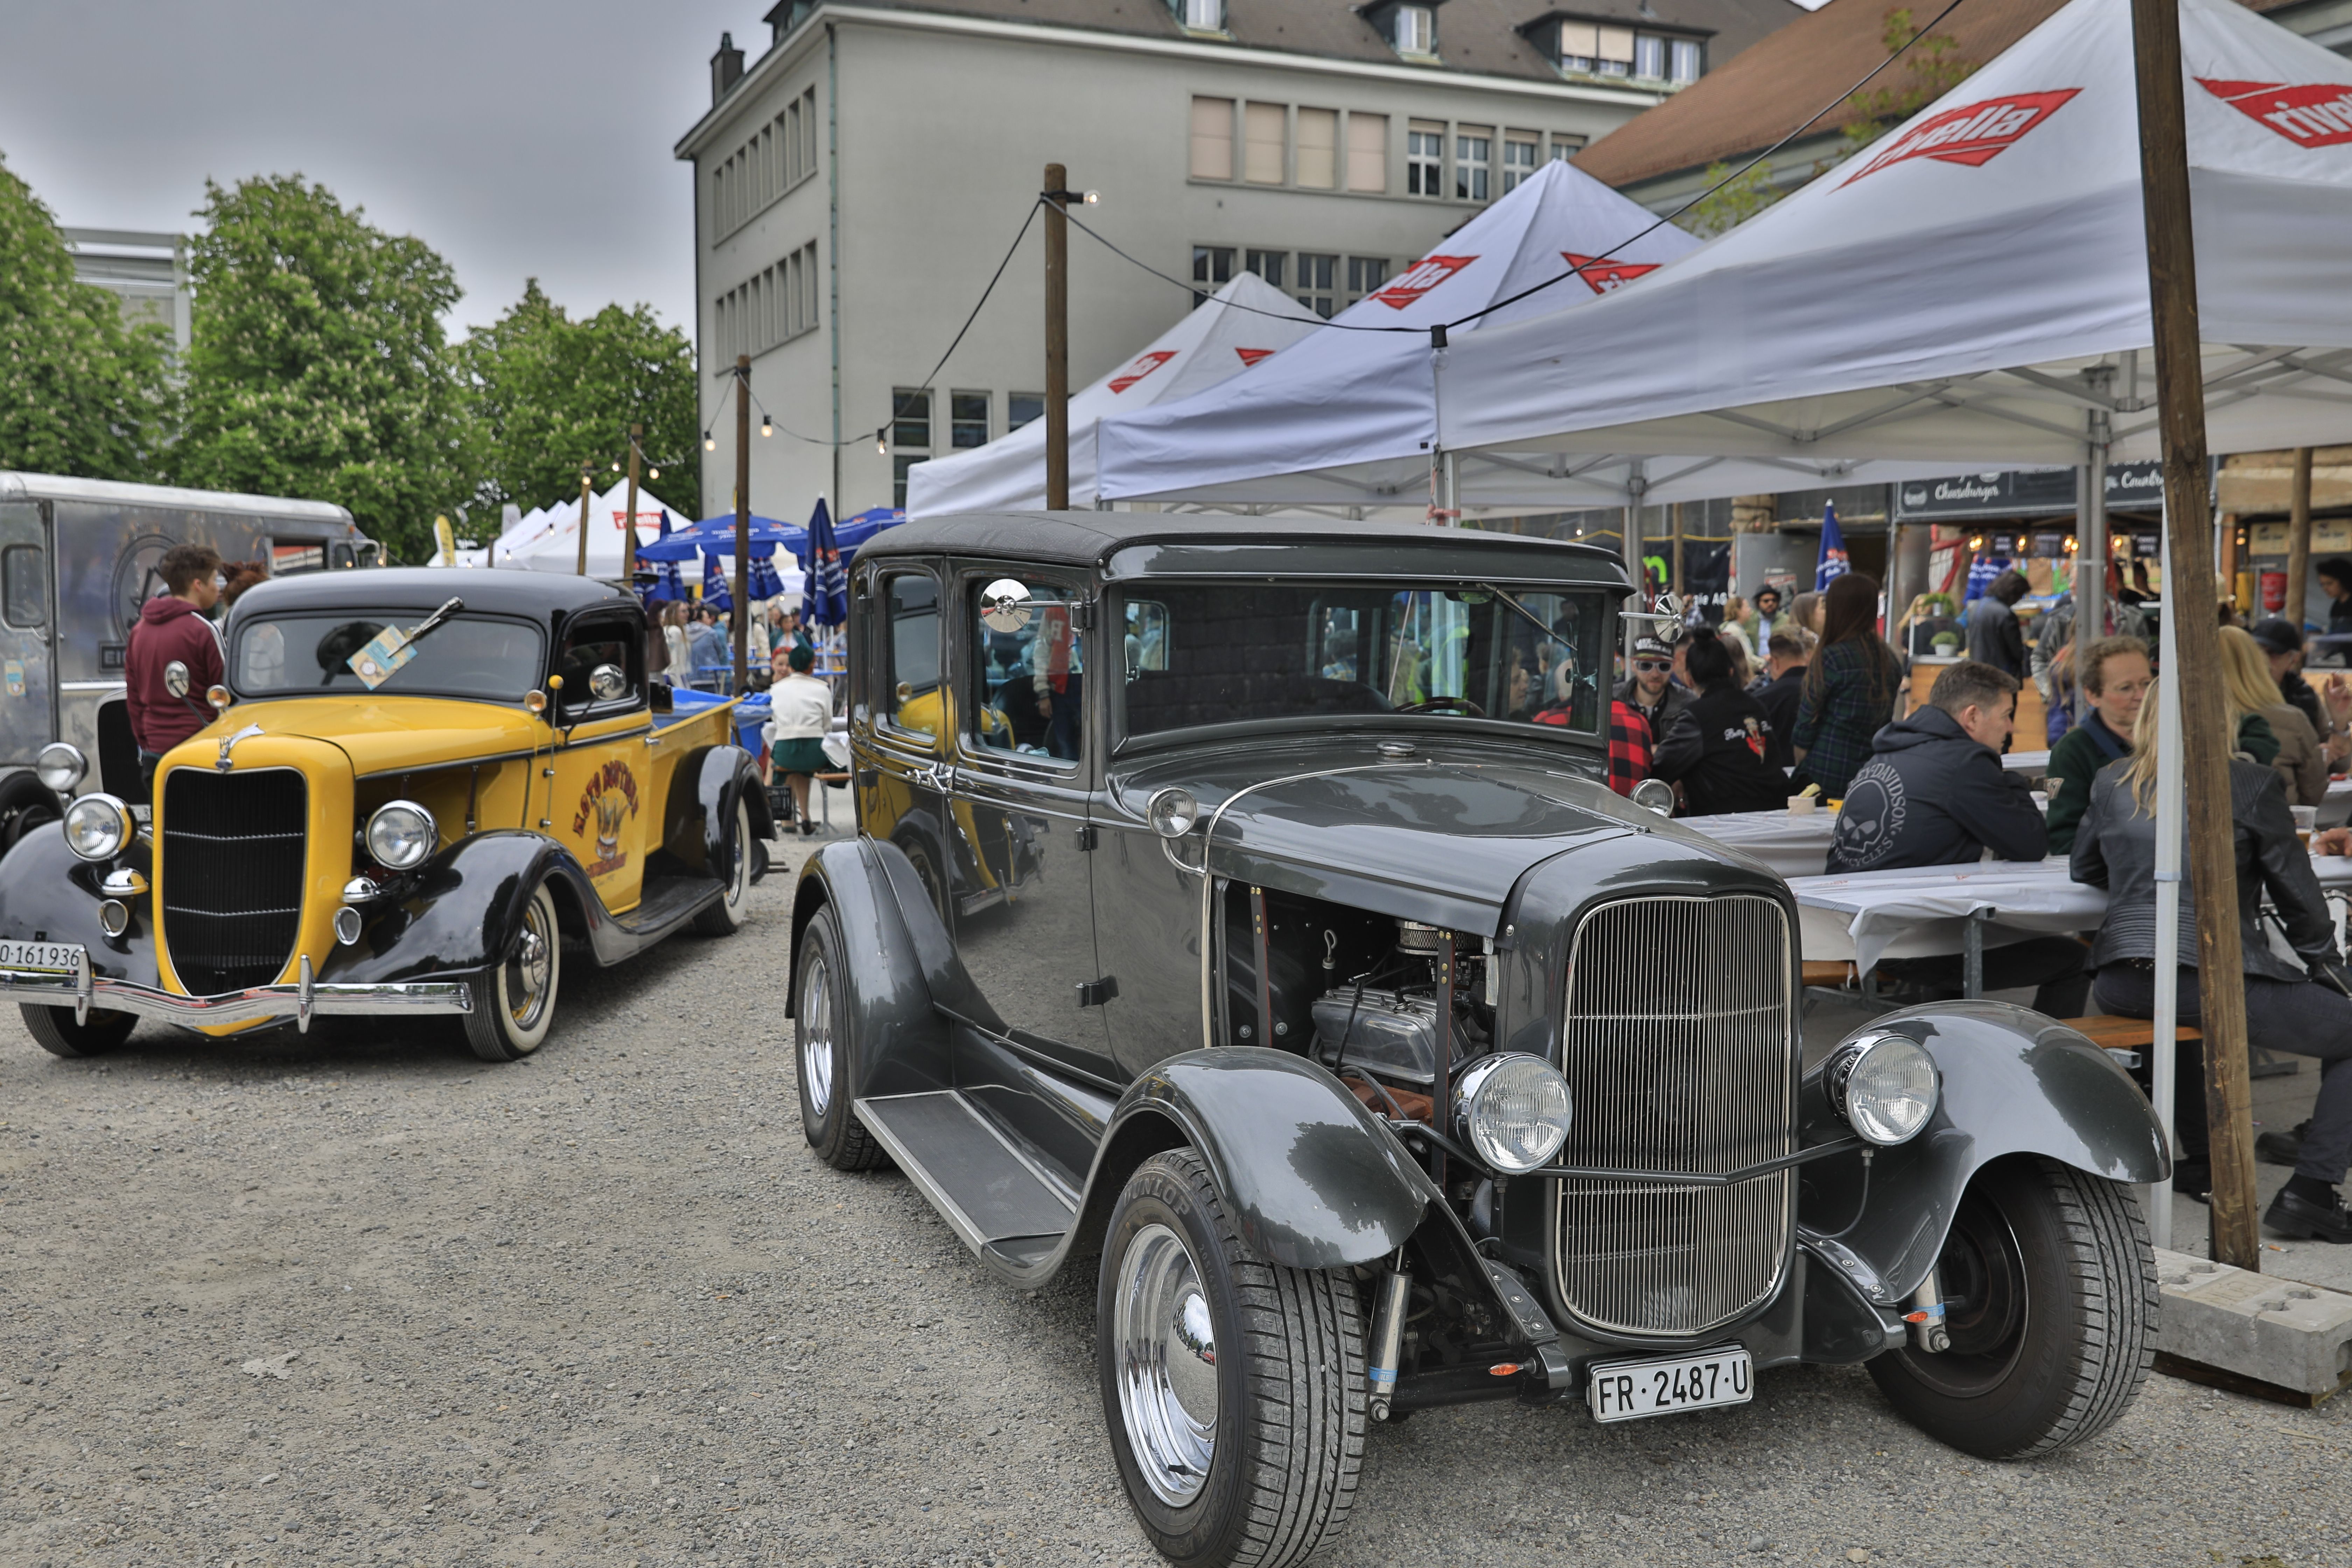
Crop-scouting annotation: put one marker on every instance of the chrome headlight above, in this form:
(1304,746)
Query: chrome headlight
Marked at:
(1173,812)
(1884,1086)
(98,826)
(60,767)
(1512,1109)
(401,835)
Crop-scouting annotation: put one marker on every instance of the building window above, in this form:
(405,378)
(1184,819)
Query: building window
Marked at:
(1203,16)
(1316,280)
(1213,267)
(1580,47)
(1022,407)
(1689,61)
(1318,149)
(1474,162)
(1521,155)
(1368,153)
(1267,264)
(1424,160)
(1615,46)
(1650,57)
(1564,147)
(910,419)
(772,306)
(1413,30)
(1213,138)
(1266,128)
(967,419)
(1365,276)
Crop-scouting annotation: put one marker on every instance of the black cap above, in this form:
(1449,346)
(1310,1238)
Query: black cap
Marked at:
(2278,636)
(1651,647)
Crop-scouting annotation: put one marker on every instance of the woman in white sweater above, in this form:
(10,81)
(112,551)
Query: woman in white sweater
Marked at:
(803,708)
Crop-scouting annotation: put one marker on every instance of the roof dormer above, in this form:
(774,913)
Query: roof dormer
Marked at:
(1408,27)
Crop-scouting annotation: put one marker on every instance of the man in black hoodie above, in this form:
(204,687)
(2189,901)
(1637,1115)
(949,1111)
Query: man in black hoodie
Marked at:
(1934,794)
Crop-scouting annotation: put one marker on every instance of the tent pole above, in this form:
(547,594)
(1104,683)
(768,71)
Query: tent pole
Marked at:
(742,614)
(1057,339)
(1636,483)
(587,474)
(629,535)
(2298,538)
(1449,477)
(2091,542)
(2165,1050)
(2195,628)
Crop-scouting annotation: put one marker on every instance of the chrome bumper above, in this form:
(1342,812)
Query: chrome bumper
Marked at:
(86,992)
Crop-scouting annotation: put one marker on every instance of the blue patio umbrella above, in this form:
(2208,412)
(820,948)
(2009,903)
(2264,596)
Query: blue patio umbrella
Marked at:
(851,533)
(714,583)
(716,535)
(825,598)
(670,582)
(764,583)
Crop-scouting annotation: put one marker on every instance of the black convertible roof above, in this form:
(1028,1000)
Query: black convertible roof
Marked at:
(496,590)
(1089,539)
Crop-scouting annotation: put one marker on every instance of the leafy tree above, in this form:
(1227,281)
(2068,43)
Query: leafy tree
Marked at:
(1932,69)
(550,393)
(317,366)
(81,391)
(1734,204)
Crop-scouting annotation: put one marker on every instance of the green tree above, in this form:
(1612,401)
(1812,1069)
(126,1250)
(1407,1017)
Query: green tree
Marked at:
(317,366)
(1932,69)
(82,393)
(550,393)
(1734,204)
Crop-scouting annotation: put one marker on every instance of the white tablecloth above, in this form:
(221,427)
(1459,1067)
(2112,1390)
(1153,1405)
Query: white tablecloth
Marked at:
(2032,763)
(1792,846)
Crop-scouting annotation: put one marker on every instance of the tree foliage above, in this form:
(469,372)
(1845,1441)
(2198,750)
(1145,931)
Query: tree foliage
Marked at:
(317,366)
(550,393)
(1932,69)
(1739,200)
(81,391)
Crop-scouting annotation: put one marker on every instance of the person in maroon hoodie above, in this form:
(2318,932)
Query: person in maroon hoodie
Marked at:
(170,626)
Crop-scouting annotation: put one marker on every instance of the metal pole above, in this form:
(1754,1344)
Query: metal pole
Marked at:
(2091,541)
(629,535)
(742,524)
(1057,339)
(587,473)
(2298,538)
(2189,601)
(2164,1052)
(1449,474)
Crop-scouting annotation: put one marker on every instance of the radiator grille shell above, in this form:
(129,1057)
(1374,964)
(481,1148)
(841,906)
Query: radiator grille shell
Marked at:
(1680,1049)
(232,857)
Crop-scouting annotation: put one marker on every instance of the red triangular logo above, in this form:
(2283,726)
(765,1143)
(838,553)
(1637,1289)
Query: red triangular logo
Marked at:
(1251,356)
(1602,274)
(2319,115)
(1144,366)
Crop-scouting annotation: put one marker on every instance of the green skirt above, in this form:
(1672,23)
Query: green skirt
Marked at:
(805,755)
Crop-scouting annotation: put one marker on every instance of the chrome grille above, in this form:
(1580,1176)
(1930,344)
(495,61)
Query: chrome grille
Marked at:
(1680,1049)
(231,875)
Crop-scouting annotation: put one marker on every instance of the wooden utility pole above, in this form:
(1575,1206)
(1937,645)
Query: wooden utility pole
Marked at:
(744,524)
(2189,599)
(587,476)
(629,537)
(1057,339)
(2298,537)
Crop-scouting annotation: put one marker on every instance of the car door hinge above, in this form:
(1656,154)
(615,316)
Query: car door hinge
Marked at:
(1088,838)
(1095,993)
(1082,614)
(868,778)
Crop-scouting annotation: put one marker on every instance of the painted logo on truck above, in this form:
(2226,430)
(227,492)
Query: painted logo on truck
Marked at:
(609,801)
(2319,115)
(1974,134)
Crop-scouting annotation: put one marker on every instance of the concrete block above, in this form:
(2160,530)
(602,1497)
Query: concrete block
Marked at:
(2297,1338)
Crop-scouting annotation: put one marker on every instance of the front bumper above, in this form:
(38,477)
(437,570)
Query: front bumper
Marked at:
(86,992)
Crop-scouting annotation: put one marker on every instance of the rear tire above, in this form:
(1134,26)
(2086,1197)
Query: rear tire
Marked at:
(55,1031)
(2052,1293)
(514,1000)
(822,1056)
(725,918)
(1233,1388)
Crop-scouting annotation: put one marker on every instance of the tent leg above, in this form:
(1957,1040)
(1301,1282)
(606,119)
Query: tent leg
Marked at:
(2091,539)
(2170,806)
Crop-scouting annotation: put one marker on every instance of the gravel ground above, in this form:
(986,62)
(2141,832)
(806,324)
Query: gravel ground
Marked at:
(361,1298)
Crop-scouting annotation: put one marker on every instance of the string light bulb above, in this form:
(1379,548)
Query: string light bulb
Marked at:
(1976,544)
(881,442)
(709,443)
(767,426)
(652,474)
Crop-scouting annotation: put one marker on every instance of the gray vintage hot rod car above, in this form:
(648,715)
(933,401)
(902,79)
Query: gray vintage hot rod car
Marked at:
(1239,904)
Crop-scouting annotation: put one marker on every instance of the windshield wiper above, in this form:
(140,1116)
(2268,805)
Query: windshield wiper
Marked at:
(392,648)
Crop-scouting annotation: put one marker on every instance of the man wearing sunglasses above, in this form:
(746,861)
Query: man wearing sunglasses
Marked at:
(1650,691)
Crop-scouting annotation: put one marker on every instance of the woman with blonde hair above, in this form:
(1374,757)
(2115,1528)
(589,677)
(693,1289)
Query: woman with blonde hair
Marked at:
(2301,764)
(2302,1007)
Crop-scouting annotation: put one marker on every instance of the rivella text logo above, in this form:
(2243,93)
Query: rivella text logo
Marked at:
(1974,134)
(1419,278)
(1602,273)
(2319,115)
(1144,366)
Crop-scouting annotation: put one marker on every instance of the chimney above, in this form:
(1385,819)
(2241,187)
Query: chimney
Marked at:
(726,68)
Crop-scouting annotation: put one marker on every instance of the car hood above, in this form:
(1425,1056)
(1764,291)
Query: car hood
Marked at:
(1441,839)
(388,734)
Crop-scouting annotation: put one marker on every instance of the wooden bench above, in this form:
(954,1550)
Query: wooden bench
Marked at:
(2126,1037)
(1835,976)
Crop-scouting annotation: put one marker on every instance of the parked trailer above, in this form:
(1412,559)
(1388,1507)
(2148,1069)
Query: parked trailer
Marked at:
(78,558)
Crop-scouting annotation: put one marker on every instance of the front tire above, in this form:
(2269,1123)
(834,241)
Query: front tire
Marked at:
(514,999)
(2050,1292)
(725,918)
(55,1031)
(1233,1388)
(822,1055)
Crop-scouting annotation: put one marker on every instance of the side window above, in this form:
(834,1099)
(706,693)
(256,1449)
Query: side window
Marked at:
(1145,638)
(913,701)
(23,601)
(603,666)
(1028,669)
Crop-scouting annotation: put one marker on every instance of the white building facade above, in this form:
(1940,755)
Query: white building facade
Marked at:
(857,186)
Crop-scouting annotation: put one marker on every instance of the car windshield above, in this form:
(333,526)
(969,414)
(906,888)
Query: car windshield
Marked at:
(466,655)
(1223,653)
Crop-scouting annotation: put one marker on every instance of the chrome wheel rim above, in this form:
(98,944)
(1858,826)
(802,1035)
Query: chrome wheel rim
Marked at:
(527,970)
(816,1035)
(1167,1364)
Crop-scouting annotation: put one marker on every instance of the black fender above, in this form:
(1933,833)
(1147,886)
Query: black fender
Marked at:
(461,911)
(696,817)
(2014,1082)
(48,893)
(899,1038)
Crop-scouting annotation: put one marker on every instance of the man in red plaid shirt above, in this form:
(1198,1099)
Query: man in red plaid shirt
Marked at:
(1628,747)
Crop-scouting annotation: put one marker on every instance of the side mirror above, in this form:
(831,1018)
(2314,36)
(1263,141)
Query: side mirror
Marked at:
(175,680)
(658,698)
(607,681)
(1654,794)
(1005,606)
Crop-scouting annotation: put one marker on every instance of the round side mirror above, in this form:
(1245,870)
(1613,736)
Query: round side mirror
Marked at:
(1654,794)
(1005,606)
(607,681)
(175,679)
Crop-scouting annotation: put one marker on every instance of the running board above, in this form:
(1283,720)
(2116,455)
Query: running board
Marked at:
(986,1190)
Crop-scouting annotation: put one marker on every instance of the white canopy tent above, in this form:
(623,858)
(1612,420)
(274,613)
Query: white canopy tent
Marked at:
(555,545)
(1243,324)
(1348,419)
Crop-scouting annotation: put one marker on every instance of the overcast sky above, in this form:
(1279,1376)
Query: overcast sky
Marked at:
(518,138)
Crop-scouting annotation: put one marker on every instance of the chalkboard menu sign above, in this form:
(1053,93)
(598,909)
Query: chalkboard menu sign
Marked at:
(2022,492)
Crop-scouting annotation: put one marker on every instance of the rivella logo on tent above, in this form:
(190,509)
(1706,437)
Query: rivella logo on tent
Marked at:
(1144,366)
(1974,134)
(2319,115)
(1602,273)
(1418,279)
(1251,356)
